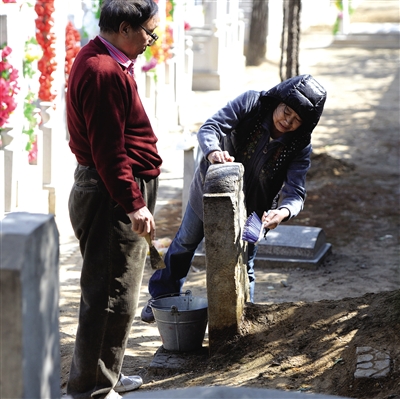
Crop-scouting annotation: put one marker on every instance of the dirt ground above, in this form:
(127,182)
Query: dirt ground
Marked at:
(302,335)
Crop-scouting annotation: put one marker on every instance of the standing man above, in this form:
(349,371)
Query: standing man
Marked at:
(114,193)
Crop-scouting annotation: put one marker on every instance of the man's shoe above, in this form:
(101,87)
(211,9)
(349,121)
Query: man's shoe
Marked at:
(147,313)
(126,384)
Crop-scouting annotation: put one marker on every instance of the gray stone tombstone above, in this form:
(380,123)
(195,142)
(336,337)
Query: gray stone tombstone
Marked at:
(227,282)
(29,295)
(287,247)
(293,246)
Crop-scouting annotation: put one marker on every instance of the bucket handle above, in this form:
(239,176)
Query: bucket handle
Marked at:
(186,293)
(174,309)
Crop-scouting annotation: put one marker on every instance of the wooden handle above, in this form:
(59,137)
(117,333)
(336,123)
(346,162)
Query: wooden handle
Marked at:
(148,239)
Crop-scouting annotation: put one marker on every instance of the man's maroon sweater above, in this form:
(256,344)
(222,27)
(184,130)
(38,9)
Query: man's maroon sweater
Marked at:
(108,126)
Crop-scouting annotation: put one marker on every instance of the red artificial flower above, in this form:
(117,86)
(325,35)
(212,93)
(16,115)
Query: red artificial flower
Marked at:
(8,86)
(72,48)
(46,39)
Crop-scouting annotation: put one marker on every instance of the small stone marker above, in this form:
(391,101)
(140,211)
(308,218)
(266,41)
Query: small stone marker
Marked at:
(371,363)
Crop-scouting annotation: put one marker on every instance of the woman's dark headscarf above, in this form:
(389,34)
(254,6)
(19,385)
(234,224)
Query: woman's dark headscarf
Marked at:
(304,95)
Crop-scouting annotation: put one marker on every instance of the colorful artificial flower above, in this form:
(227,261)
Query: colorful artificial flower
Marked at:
(161,50)
(8,86)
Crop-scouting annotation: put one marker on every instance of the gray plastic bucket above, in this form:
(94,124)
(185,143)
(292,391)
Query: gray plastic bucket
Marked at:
(181,321)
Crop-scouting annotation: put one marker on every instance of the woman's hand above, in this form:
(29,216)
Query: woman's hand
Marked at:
(220,157)
(274,217)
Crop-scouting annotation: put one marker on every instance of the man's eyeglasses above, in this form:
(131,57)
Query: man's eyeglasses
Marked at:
(153,36)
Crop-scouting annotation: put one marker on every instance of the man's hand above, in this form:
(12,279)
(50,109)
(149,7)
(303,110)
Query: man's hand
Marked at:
(220,157)
(143,222)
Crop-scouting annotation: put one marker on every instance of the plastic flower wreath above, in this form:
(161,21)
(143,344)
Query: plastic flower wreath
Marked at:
(8,86)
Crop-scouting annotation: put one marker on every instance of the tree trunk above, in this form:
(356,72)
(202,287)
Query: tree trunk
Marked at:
(290,40)
(257,46)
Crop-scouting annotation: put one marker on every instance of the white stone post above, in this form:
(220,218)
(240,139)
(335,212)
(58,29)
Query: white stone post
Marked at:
(218,47)
(57,163)
(7,178)
(2,178)
(345,22)
(182,88)
(12,132)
